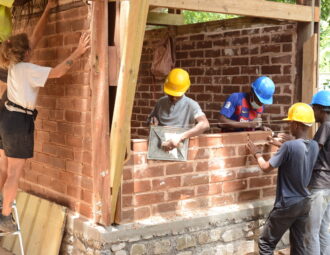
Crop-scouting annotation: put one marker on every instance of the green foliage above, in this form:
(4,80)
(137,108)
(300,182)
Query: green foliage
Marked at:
(191,17)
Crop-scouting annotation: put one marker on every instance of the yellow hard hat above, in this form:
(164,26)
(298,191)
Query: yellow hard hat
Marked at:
(301,112)
(177,82)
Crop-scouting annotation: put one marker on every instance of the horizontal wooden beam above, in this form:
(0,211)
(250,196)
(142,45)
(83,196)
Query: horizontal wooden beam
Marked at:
(255,8)
(165,19)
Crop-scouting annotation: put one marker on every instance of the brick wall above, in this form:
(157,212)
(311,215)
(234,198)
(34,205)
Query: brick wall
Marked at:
(219,171)
(223,57)
(61,168)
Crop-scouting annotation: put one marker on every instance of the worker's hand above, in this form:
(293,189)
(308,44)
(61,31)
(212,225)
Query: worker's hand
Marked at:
(172,143)
(51,4)
(154,121)
(284,137)
(252,124)
(266,129)
(83,45)
(252,148)
(274,141)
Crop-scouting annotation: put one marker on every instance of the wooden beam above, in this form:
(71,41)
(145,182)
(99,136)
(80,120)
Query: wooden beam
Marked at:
(309,75)
(128,73)
(255,8)
(165,19)
(100,112)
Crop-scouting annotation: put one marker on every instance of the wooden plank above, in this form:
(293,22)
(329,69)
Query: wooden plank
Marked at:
(38,229)
(165,19)
(255,8)
(309,75)
(55,221)
(125,93)
(42,226)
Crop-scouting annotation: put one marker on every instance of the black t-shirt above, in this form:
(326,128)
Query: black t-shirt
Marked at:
(295,160)
(321,174)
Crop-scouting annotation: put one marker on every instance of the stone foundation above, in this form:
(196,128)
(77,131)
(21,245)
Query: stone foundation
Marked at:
(230,229)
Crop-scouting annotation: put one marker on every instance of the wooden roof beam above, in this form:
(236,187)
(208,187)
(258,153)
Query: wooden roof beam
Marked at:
(165,19)
(255,8)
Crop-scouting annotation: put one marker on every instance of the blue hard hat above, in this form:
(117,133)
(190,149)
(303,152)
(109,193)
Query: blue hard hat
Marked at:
(322,98)
(264,88)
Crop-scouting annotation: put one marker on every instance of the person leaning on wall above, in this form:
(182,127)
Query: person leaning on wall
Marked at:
(17,117)
(295,161)
(177,110)
(242,111)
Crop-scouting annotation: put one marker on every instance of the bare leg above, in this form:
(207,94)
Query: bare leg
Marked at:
(3,168)
(15,168)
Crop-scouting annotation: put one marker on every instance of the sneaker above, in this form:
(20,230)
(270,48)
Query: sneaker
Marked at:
(7,223)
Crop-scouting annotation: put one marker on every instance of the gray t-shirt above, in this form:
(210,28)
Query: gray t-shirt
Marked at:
(295,161)
(321,174)
(181,114)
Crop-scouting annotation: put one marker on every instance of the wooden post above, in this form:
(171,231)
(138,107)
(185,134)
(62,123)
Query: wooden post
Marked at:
(99,112)
(128,73)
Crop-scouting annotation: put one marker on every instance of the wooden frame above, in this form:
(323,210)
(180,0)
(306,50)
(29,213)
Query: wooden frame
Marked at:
(165,19)
(128,73)
(131,57)
(255,8)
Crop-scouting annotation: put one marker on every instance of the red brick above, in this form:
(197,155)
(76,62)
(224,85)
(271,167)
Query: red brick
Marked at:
(282,38)
(142,213)
(269,192)
(179,168)
(147,172)
(260,181)
(181,194)
(248,195)
(202,153)
(231,186)
(165,208)
(240,41)
(74,192)
(127,201)
(222,175)
(287,47)
(166,183)
(191,180)
(212,53)
(250,70)
(209,189)
(222,200)
(199,37)
(147,199)
(73,167)
(139,145)
(260,60)
(196,203)
(231,71)
(260,39)
(74,141)
(270,48)
(275,69)
(204,44)
(127,174)
(196,54)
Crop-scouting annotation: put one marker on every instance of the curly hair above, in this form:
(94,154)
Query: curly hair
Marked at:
(13,50)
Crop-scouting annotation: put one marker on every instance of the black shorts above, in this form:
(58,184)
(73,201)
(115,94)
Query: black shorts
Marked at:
(16,134)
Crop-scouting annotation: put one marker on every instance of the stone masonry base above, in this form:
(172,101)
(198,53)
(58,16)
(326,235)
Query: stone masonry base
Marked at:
(228,230)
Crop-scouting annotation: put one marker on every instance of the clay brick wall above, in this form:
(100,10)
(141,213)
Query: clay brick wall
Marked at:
(61,168)
(223,57)
(219,171)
